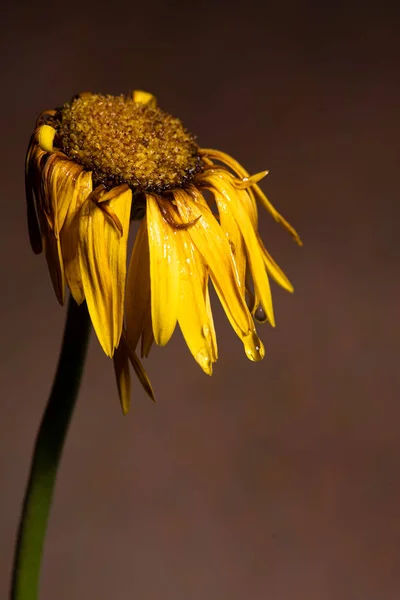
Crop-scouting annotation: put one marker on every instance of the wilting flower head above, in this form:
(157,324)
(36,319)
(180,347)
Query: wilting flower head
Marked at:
(101,161)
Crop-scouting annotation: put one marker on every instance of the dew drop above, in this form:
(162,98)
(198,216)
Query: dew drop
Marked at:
(260,315)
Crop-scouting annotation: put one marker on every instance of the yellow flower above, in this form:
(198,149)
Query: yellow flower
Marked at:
(101,161)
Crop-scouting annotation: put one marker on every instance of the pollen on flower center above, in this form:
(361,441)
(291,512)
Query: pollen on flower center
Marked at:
(123,141)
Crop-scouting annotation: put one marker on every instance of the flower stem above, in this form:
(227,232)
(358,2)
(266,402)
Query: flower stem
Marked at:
(47,455)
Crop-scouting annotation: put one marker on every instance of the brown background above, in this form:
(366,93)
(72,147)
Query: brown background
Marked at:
(274,480)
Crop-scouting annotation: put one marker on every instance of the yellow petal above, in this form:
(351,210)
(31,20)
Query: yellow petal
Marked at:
(37,180)
(122,375)
(117,253)
(58,179)
(254,254)
(235,238)
(248,197)
(102,257)
(237,168)
(164,273)
(211,242)
(61,178)
(137,301)
(69,244)
(246,182)
(253,346)
(193,317)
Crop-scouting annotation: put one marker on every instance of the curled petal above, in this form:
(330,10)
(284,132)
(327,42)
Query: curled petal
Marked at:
(239,170)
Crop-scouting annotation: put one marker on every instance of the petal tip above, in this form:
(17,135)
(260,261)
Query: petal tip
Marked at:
(254,347)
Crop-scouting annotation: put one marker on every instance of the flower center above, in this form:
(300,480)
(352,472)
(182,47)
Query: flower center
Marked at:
(122,141)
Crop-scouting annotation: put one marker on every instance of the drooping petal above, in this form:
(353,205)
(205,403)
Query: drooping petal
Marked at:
(37,182)
(102,258)
(235,238)
(241,172)
(211,242)
(246,197)
(95,272)
(57,188)
(164,273)
(121,206)
(122,375)
(193,317)
(237,168)
(254,255)
(137,301)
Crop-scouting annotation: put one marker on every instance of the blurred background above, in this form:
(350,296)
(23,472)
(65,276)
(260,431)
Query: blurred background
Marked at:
(279,479)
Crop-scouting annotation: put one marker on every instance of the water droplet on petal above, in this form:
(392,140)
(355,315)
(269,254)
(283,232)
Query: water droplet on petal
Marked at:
(260,315)
(204,360)
(253,346)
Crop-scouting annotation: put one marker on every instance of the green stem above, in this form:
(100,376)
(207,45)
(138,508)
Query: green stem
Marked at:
(47,455)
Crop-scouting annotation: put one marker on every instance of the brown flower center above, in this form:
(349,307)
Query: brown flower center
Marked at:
(123,141)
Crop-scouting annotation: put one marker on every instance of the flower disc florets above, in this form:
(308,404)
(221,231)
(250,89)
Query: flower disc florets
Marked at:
(123,141)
